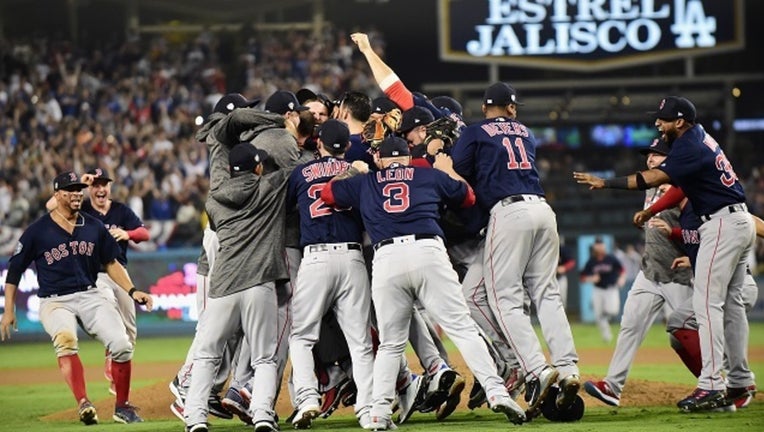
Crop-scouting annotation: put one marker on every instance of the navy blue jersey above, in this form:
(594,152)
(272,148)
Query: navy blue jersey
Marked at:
(359,150)
(608,268)
(690,222)
(119,216)
(320,223)
(66,263)
(698,165)
(497,157)
(400,200)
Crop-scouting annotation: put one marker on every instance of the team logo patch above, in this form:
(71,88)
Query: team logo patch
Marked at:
(663,102)
(18,249)
(291,106)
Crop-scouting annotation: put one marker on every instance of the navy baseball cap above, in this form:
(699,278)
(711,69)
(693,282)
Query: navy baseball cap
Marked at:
(675,107)
(244,157)
(659,146)
(305,94)
(501,94)
(99,174)
(448,103)
(282,102)
(68,181)
(416,116)
(393,146)
(382,105)
(335,135)
(231,101)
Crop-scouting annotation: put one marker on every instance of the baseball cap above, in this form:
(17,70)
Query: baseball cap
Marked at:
(282,102)
(659,146)
(448,103)
(231,101)
(68,181)
(675,107)
(99,174)
(244,157)
(501,94)
(393,146)
(335,135)
(382,105)
(416,116)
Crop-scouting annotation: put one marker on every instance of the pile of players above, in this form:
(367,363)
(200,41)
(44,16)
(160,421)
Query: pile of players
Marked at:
(307,194)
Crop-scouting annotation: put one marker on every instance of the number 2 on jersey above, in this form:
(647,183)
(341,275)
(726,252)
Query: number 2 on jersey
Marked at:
(318,208)
(513,164)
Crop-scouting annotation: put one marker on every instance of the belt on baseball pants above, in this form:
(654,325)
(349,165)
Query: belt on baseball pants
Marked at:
(517,198)
(732,208)
(325,247)
(405,239)
(87,288)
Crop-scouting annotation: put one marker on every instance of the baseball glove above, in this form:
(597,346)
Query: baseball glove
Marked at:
(444,129)
(374,131)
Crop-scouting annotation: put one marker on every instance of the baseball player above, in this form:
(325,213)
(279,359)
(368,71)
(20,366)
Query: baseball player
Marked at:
(565,264)
(332,275)
(658,285)
(69,248)
(698,165)
(248,212)
(232,403)
(124,225)
(605,271)
(354,110)
(399,206)
(522,246)
(682,325)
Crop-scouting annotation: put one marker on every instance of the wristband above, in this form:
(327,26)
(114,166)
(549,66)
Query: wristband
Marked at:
(131,292)
(641,183)
(617,183)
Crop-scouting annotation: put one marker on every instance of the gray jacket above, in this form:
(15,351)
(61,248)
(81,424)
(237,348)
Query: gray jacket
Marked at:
(248,210)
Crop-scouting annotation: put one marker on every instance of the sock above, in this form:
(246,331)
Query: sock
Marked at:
(688,349)
(74,375)
(121,373)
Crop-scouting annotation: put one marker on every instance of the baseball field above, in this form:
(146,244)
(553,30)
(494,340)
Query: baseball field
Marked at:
(35,398)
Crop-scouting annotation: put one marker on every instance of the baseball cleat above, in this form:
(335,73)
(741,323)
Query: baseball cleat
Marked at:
(234,403)
(177,409)
(439,387)
(602,391)
(266,426)
(305,415)
(706,400)
(178,391)
(508,407)
(199,427)
(741,396)
(477,396)
(335,395)
(453,399)
(126,414)
(216,408)
(409,398)
(569,387)
(377,424)
(514,381)
(537,389)
(87,413)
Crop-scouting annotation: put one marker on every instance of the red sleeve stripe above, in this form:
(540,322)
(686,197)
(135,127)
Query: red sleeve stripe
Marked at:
(139,234)
(399,94)
(469,198)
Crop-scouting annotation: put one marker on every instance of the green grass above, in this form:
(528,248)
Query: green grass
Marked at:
(23,406)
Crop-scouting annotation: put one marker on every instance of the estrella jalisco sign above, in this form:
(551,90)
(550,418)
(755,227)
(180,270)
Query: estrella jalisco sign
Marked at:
(586,34)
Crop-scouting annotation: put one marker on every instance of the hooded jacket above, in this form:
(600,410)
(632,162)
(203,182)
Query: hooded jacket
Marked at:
(248,210)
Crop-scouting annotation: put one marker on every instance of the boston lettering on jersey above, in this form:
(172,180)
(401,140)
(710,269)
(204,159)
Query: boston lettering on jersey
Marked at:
(62,250)
(690,222)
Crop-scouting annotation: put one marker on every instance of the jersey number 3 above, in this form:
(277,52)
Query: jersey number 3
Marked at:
(524,164)
(397,197)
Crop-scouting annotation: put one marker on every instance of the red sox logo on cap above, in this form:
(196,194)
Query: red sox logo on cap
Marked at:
(655,143)
(72,177)
(663,102)
(98,172)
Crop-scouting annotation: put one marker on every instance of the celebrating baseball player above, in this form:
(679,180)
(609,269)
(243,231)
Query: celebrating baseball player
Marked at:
(332,275)
(698,165)
(521,253)
(399,206)
(607,274)
(69,248)
(659,284)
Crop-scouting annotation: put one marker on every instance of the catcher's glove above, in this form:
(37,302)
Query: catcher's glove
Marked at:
(375,131)
(444,129)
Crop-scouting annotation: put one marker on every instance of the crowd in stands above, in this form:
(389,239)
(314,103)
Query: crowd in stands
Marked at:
(133,109)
